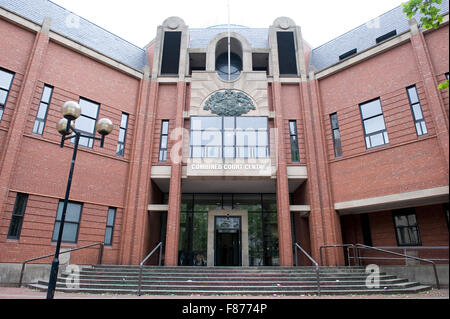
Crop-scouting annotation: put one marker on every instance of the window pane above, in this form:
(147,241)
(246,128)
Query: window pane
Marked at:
(263,138)
(228,152)
(85,124)
(419,129)
(88,142)
(401,220)
(42,112)
(228,123)
(371,109)
(108,235)
(262,152)
(386,139)
(5,80)
(162,155)
(417,112)
(376,140)
(3,95)
(196,152)
(229,138)
(46,94)
(122,133)
(293,127)
(14,227)
(72,213)
(414,98)
(211,138)
(334,121)
(165,128)
(111,216)
(424,127)
(21,204)
(246,138)
(196,138)
(164,141)
(69,232)
(207,123)
(120,149)
(89,108)
(124,122)
(251,123)
(374,124)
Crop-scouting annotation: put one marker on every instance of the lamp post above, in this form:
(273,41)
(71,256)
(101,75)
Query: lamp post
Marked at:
(71,111)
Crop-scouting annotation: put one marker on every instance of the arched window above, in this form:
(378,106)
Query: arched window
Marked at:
(235,66)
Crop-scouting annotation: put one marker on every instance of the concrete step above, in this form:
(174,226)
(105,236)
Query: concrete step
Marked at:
(188,292)
(227,281)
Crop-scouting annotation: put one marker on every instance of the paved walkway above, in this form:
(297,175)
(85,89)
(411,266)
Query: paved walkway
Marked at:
(22,293)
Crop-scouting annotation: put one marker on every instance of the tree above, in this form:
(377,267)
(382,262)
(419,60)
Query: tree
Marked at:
(430,19)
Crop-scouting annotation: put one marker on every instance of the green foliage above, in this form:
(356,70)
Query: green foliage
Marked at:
(431,17)
(443,86)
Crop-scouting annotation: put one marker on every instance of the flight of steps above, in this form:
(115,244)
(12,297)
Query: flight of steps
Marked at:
(249,281)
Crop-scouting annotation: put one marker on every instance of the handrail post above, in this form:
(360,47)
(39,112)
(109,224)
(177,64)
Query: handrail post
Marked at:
(297,246)
(100,254)
(21,274)
(160,255)
(141,265)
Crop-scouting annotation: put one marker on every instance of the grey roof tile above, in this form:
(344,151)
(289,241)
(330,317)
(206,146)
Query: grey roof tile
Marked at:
(79,30)
(257,37)
(363,37)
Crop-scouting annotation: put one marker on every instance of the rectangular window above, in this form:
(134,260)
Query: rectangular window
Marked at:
(122,135)
(171,53)
(386,36)
(41,115)
(229,137)
(348,54)
(295,153)
(6,79)
(406,228)
(287,59)
(15,226)
(416,108)
(71,224)
(110,226)
(87,121)
(374,126)
(164,144)
(336,135)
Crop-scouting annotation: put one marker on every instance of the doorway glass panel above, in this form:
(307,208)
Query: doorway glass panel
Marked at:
(262,226)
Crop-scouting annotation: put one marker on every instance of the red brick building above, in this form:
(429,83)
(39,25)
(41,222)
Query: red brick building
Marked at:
(344,143)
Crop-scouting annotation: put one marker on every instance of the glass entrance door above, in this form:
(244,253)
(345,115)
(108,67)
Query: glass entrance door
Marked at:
(228,249)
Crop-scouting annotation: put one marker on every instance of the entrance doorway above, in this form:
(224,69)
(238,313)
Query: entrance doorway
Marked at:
(228,250)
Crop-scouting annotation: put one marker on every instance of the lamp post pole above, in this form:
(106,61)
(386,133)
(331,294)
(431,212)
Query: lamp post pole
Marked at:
(71,111)
(55,263)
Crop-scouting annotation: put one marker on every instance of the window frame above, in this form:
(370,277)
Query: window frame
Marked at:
(110,239)
(333,129)
(91,140)
(120,151)
(18,216)
(61,202)
(248,149)
(383,132)
(406,212)
(39,121)
(293,137)
(412,105)
(162,157)
(8,91)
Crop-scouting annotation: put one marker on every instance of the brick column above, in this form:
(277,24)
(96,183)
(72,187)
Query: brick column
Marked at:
(324,221)
(434,98)
(19,119)
(173,214)
(136,200)
(283,207)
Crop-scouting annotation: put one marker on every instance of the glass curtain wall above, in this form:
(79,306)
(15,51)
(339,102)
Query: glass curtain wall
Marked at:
(262,226)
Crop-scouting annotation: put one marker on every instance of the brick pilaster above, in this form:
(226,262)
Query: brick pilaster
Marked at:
(19,119)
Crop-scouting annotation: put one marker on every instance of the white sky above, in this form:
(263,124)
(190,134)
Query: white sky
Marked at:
(137,20)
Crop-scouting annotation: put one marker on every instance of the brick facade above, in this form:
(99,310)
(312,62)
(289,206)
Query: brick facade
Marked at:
(36,165)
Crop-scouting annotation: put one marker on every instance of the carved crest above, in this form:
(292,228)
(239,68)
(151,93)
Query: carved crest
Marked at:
(229,103)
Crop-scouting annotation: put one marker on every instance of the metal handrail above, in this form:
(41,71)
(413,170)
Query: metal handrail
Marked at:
(406,248)
(141,265)
(100,257)
(297,246)
(403,255)
(339,245)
